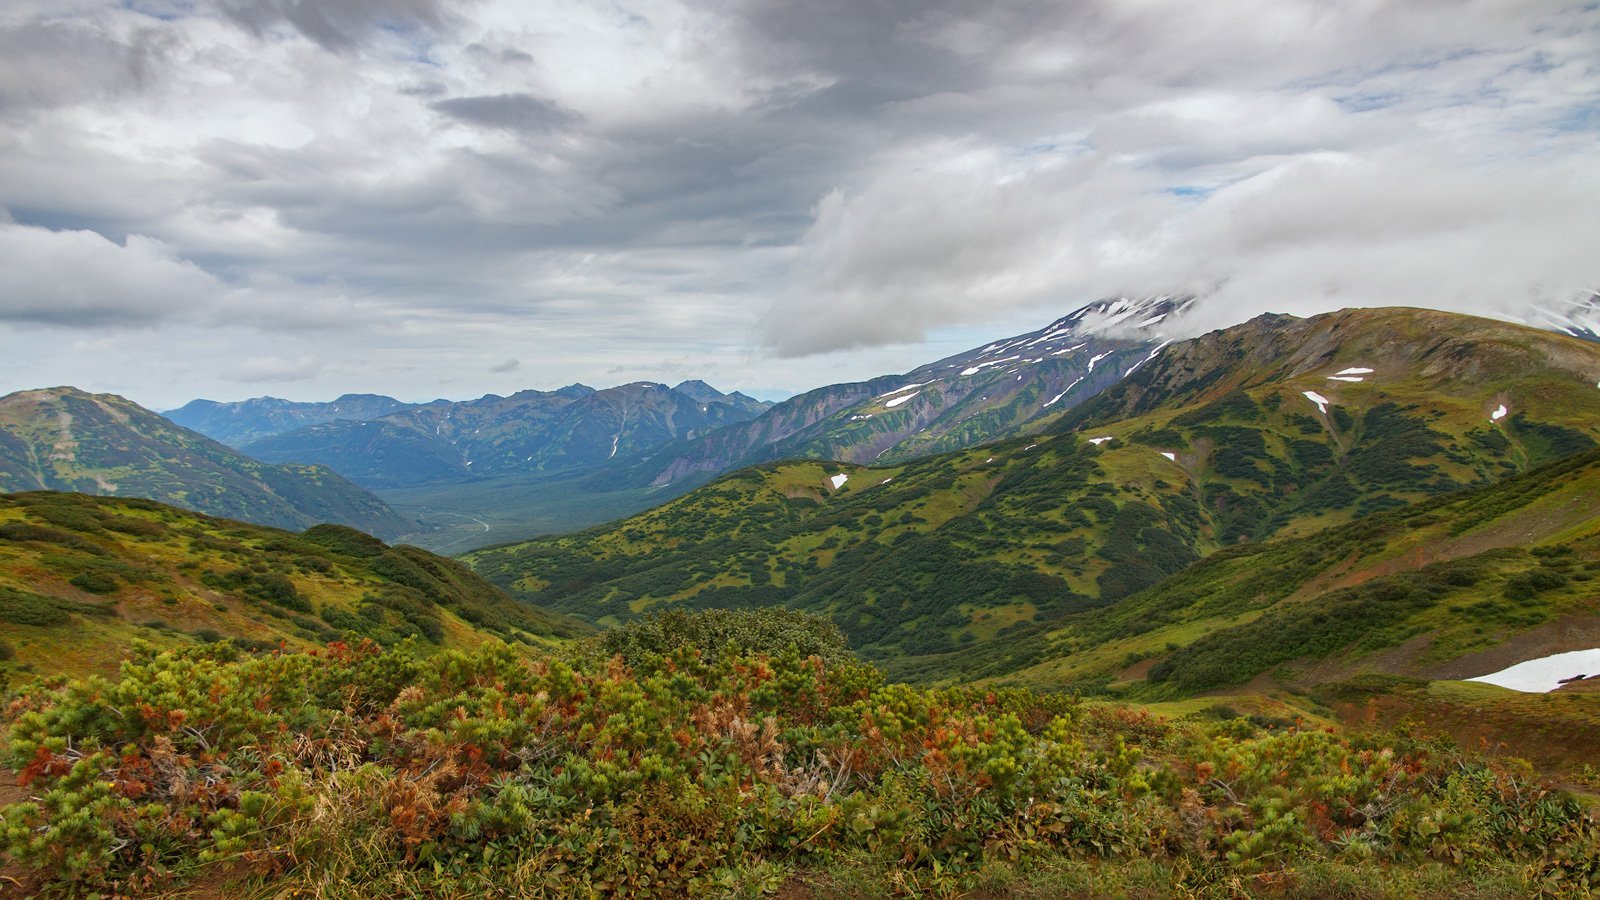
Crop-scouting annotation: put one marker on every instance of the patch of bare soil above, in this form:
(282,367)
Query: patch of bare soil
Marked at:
(1590,685)
(10,791)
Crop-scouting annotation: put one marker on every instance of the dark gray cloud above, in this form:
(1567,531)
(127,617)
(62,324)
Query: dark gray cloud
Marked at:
(337,24)
(510,365)
(517,112)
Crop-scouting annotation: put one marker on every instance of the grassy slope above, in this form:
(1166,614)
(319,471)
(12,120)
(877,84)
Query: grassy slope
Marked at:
(63,439)
(920,560)
(1429,590)
(82,578)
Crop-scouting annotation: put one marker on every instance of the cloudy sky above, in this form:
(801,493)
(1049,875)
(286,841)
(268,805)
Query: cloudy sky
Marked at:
(229,198)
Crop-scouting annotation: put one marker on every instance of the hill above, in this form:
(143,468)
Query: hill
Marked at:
(64,439)
(1275,428)
(83,579)
(1459,586)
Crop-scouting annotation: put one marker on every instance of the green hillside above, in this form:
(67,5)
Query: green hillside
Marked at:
(1435,590)
(83,579)
(1215,444)
(63,439)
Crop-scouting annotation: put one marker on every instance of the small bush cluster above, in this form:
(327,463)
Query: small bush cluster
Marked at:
(381,773)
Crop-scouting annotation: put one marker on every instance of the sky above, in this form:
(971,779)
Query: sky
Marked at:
(424,198)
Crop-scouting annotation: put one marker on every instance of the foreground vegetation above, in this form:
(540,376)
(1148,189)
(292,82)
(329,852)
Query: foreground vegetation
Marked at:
(705,755)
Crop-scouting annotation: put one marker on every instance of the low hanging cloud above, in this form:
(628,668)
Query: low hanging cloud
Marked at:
(1308,233)
(510,365)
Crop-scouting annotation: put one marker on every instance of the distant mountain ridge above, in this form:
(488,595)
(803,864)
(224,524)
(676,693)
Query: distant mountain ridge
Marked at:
(64,439)
(573,428)
(240,422)
(1005,388)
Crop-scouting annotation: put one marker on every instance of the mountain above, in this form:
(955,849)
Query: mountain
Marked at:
(1276,428)
(241,422)
(82,578)
(574,428)
(1005,388)
(63,439)
(1579,318)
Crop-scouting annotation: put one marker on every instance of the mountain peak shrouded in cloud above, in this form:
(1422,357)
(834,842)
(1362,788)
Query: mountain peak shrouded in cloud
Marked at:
(406,191)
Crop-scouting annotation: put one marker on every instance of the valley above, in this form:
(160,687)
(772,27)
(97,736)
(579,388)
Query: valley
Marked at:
(1301,546)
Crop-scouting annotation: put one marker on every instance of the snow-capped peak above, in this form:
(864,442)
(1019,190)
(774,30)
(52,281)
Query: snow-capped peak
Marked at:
(1579,317)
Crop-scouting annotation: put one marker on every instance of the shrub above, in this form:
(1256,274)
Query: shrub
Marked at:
(94,582)
(362,772)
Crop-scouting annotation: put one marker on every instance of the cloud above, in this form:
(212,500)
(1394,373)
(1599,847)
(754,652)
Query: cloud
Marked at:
(516,112)
(274,370)
(509,365)
(81,279)
(750,181)
(335,24)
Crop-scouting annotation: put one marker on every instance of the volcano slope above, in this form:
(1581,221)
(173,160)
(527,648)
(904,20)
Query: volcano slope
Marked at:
(978,562)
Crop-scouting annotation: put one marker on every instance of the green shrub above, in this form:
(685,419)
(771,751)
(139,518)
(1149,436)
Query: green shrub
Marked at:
(94,582)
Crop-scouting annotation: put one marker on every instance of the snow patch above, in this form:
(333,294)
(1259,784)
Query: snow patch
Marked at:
(1537,676)
(1096,358)
(1162,346)
(904,388)
(839,480)
(981,366)
(1053,400)
(1321,401)
(1354,370)
(1499,413)
(1345,378)
(899,400)
(989,460)
(1099,440)
(1170,455)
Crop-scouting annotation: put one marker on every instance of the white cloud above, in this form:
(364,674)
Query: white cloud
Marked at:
(274,370)
(80,278)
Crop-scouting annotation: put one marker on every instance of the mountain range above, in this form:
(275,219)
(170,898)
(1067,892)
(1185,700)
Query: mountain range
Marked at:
(63,439)
(1007,387)
(575,427)
(500,468)
(991,559)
